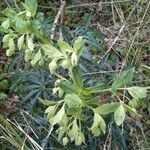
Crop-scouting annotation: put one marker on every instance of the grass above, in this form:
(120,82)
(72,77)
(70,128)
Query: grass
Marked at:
(122,31)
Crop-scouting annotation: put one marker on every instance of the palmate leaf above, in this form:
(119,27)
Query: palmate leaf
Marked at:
(32,85)
(30,95)
(16,63)
(36,86)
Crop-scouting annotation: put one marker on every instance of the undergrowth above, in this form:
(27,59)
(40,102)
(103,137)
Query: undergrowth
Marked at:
(88,71)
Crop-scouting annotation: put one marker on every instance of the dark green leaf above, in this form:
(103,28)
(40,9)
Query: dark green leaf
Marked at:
(67,86)
(47,102)
(21,25)
(92,102)
(124,79)
(73,100)
(105,109)
(31,6)
(78,46)
(78,43)
(77,76)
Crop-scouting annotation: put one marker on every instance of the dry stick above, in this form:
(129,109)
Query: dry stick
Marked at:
(134,37)
(120,31)
(7,4)
(124,62)
(120,14)
(21,110)
(83,5)
(107,138)
(47,137)
(57,18)
(29,125)
(38,147)
(47,7)
(94,4)
(113,14)
(62,18)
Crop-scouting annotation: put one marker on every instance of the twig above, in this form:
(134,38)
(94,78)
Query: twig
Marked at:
(57,18)
(95,4)
(62,19)
(7,4)
(29,125)
(120,31)
(47,7)
(141,21)
(115,40)
(47,137)
(107,138)
(84,5)
(38,147)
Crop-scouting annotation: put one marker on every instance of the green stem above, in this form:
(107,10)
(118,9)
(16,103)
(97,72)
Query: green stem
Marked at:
(59,76)
(109,90)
